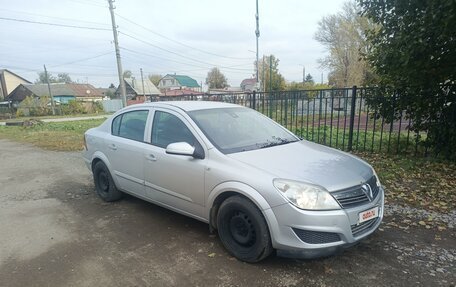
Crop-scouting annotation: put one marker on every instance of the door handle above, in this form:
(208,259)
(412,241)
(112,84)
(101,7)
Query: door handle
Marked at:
(112,146)
(151,157)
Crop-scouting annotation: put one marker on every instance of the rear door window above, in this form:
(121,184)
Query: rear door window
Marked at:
(130,125)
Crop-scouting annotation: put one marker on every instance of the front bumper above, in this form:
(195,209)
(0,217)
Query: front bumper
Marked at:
(87,161)
(311,234)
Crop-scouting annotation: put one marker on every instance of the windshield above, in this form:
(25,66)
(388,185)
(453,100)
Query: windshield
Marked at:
(240,129)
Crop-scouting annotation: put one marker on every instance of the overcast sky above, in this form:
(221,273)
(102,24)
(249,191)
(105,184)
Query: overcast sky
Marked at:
(171,36)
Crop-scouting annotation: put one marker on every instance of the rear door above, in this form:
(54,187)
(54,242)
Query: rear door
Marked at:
(126,147)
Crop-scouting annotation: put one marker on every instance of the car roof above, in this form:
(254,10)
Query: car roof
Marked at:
(189,105)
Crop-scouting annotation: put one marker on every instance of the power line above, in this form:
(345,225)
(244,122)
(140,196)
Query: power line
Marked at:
(166,69)
(54,24)
(180,43)
(226,72)
(81,60)
(178,54)
(56,72)
(53,17)
(158,57)
(21,68)
(91,3)
(188,64)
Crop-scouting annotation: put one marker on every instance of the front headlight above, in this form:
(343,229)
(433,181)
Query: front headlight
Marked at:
(305,195)
(377,180)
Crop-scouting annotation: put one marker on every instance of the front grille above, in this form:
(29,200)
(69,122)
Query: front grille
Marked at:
(355,196)
(359,229)
(316,237)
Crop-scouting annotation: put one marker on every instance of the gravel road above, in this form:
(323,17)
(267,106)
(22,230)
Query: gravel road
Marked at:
(54,231)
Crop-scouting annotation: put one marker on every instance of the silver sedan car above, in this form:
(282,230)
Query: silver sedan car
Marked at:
(261,187)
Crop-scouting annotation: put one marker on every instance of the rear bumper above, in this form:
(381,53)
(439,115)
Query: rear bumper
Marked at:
(311,234)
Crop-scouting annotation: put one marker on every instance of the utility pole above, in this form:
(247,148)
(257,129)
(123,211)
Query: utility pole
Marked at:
(264,80)
(49,89)
(303,74)
(257,33)
(119,63)
(142,80)
(270,73)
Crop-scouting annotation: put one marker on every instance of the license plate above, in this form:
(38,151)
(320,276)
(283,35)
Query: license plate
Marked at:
(368,214)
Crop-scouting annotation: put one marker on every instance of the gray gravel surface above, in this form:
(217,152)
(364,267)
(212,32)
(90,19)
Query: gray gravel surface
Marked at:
(448,219)
(54,231)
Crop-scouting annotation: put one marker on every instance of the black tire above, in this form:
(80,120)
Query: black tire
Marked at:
(104,185)
(243,230)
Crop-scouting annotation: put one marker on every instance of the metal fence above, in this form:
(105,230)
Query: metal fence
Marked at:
(111,106)
(339,118)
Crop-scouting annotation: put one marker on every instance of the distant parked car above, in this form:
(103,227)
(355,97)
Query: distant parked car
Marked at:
(260,186)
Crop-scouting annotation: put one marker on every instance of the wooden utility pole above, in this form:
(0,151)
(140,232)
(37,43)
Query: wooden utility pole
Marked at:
(49,89)
(119,63)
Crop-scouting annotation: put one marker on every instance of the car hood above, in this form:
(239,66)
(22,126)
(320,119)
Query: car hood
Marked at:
(309,162)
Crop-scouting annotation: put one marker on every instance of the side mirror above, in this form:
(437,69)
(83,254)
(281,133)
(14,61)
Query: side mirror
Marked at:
(180,148)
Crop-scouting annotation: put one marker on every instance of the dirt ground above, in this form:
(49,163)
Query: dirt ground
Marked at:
(54,231)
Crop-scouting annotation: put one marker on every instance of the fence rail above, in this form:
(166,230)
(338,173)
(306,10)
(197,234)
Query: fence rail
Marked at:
(339,118)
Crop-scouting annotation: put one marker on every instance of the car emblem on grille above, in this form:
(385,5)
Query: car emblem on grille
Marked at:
(368,191)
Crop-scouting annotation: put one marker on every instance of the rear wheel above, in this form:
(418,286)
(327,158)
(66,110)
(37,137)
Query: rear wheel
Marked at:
(243,230)
(104,185)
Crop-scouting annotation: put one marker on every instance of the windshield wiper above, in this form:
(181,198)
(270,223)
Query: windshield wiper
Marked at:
(276,142)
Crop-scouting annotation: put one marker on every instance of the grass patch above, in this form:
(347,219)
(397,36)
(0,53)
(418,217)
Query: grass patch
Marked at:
(61,136)
(421,182)
(365,141)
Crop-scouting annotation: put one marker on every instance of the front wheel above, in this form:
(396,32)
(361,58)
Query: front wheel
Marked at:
(243,230)
(104,184)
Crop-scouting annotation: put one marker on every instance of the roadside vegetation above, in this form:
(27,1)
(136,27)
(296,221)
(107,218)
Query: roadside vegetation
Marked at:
(416,181)
(60,136)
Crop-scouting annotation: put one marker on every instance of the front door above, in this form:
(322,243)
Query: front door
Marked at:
(175,181)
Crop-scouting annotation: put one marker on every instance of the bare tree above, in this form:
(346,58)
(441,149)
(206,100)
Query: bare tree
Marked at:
(127,74)
(64,78)
(216,79)
(61,78)
(344,37)
(155,78)
(269,74)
